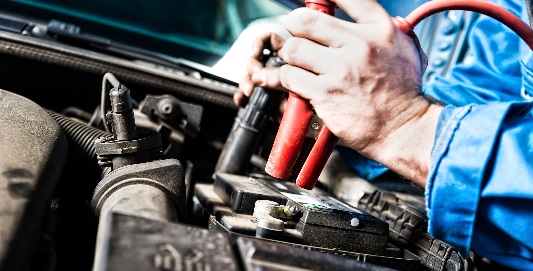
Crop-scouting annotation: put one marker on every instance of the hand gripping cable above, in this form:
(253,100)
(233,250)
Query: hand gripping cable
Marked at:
(292,154)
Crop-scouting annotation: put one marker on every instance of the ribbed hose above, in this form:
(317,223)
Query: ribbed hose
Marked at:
(82,162)
(80,138)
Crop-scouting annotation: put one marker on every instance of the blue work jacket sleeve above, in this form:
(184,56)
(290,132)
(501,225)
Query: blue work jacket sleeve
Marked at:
(480,186)
(491,71)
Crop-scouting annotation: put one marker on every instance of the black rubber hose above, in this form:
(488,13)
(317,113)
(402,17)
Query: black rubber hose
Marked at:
(249,126)
(81,160)
(75,112)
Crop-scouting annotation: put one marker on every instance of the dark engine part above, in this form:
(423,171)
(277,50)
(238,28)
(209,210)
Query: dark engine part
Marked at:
(33,153)
(249,126)
(81,139)
(409,229)
(126,146)
(121,116)
(266,255)
(167,109)
(137,243)
(81,158)
(288,218)
(139,184)
(313,217)
(153,189)
(176,121)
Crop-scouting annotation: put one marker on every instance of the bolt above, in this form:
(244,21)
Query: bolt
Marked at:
(55,204)
(290,210)
(165,107)
(315,126)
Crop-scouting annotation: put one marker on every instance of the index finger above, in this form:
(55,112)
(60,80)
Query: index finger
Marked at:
(319,27)
(364,11)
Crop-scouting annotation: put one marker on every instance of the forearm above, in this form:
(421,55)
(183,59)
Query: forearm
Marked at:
(407,150)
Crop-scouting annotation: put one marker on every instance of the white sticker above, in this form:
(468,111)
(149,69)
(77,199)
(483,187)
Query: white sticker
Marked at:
(302,199)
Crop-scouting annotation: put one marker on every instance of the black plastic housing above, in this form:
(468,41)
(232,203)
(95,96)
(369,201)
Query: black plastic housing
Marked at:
(33,149)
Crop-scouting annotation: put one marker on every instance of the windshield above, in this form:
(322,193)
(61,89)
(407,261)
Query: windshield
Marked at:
(201,31)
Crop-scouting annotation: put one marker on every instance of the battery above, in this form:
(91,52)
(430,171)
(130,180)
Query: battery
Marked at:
(321,220)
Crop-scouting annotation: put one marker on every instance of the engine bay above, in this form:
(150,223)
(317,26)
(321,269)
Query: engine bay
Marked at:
(110,164)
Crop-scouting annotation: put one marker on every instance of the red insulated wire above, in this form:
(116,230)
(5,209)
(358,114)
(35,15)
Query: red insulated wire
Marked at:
(486,8)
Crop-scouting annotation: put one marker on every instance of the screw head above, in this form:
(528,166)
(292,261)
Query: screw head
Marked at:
(315,126)
(167,108)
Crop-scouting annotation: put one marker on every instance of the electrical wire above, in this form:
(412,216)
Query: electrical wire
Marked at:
(108,77)
(483,7)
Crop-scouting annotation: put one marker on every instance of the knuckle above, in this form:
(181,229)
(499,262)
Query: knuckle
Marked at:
(252,65)
(246,86)
(350,77)
(284,76)
(291,49)
(311,19)
(244,81)
(371,47)
(369,50)
(302,20)
(269,79)
(389,30)
(272,78)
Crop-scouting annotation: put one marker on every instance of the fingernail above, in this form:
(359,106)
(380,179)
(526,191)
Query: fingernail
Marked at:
(237,98)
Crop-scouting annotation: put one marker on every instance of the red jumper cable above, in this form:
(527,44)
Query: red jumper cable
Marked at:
(293,130)
(298,115)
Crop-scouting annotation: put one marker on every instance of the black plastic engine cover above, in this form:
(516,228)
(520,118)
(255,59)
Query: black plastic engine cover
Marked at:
(32,154)
(137,243)
(258,254)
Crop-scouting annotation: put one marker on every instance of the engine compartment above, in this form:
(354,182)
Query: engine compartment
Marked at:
(170,211)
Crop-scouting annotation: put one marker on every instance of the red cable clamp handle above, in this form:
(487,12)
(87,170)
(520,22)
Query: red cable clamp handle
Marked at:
(293,130)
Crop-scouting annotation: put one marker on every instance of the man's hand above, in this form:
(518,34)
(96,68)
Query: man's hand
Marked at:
(258,75)
(364,81)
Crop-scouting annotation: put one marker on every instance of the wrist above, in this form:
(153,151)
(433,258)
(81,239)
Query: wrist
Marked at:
(407,149)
